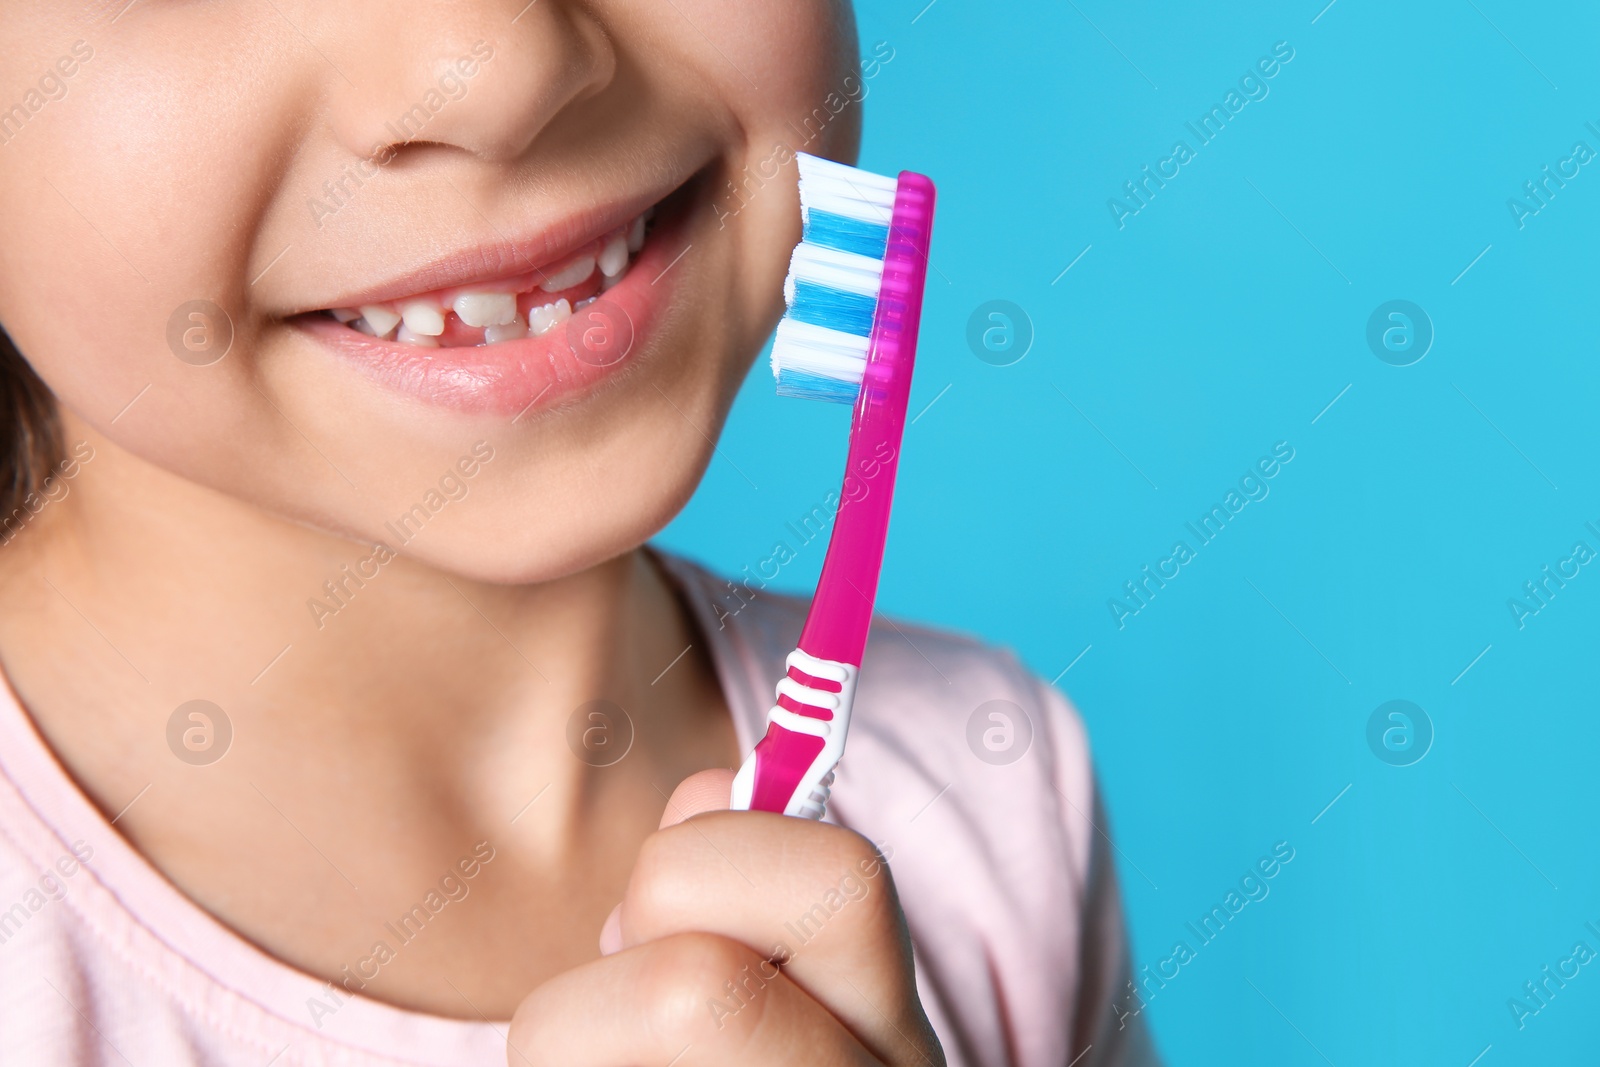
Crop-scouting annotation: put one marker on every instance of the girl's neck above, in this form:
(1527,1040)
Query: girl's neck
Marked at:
(364,693)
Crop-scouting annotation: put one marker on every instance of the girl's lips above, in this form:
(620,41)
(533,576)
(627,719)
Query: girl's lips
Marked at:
(511,377)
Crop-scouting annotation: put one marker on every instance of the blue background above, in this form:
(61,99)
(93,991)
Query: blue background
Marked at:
(1225,317)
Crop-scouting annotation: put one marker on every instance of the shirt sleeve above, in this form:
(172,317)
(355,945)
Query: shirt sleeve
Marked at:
(1109,1026)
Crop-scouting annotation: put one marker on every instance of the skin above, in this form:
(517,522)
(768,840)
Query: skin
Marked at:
(385,744)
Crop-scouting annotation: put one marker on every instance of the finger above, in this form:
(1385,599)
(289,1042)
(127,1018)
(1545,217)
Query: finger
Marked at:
(817,898)
(692,1000)
(611,932)
(705,791)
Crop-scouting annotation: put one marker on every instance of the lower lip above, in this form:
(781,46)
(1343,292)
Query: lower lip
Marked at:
(512,378)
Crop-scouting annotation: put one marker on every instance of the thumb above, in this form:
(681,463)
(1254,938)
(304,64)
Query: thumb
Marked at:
(706,791)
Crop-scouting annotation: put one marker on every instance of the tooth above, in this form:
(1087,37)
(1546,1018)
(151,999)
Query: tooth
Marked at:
(543,319)
(380,317)
(636,234)
(509,331)
(346,315)
(408,336)
(573,273)
(423,317)
(486,309)
(359,325)
(614,256)
(608,282)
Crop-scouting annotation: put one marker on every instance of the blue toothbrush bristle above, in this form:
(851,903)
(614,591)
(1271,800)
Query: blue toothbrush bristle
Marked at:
(863,237)
(822,305)
(820,351)
(816,387)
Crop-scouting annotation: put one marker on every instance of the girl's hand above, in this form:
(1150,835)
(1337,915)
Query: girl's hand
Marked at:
(744,938)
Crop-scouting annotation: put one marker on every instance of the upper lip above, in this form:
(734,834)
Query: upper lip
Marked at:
(506,256)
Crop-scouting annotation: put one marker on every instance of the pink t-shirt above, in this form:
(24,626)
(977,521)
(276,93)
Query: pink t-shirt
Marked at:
(1005,881)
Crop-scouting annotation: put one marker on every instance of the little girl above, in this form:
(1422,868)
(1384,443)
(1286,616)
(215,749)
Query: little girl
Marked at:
(352,354)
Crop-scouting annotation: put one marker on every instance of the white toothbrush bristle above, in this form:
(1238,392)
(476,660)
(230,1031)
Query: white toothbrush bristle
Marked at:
(828,266)
(844,190)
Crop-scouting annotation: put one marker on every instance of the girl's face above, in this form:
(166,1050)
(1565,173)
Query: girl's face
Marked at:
(193,196)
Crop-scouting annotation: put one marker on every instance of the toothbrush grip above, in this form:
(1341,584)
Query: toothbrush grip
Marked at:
(779,766)
(791,769)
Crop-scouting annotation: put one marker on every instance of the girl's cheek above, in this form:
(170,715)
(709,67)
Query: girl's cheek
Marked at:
(146,181)
(769,63)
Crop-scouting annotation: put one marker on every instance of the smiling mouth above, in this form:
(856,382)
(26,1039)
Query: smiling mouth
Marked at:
(510,308)
(531,333)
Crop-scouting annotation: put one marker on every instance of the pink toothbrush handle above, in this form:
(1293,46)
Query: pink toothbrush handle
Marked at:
(791,768)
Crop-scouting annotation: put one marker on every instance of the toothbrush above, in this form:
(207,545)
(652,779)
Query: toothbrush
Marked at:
(854,296)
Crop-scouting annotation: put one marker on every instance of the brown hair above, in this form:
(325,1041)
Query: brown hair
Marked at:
(30,435)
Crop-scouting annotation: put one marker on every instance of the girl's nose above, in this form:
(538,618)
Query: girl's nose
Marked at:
(485,78)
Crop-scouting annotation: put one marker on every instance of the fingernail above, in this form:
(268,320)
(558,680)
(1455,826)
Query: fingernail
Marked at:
(611,932)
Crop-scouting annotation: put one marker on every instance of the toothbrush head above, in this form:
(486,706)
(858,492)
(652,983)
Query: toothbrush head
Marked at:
(822,345)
